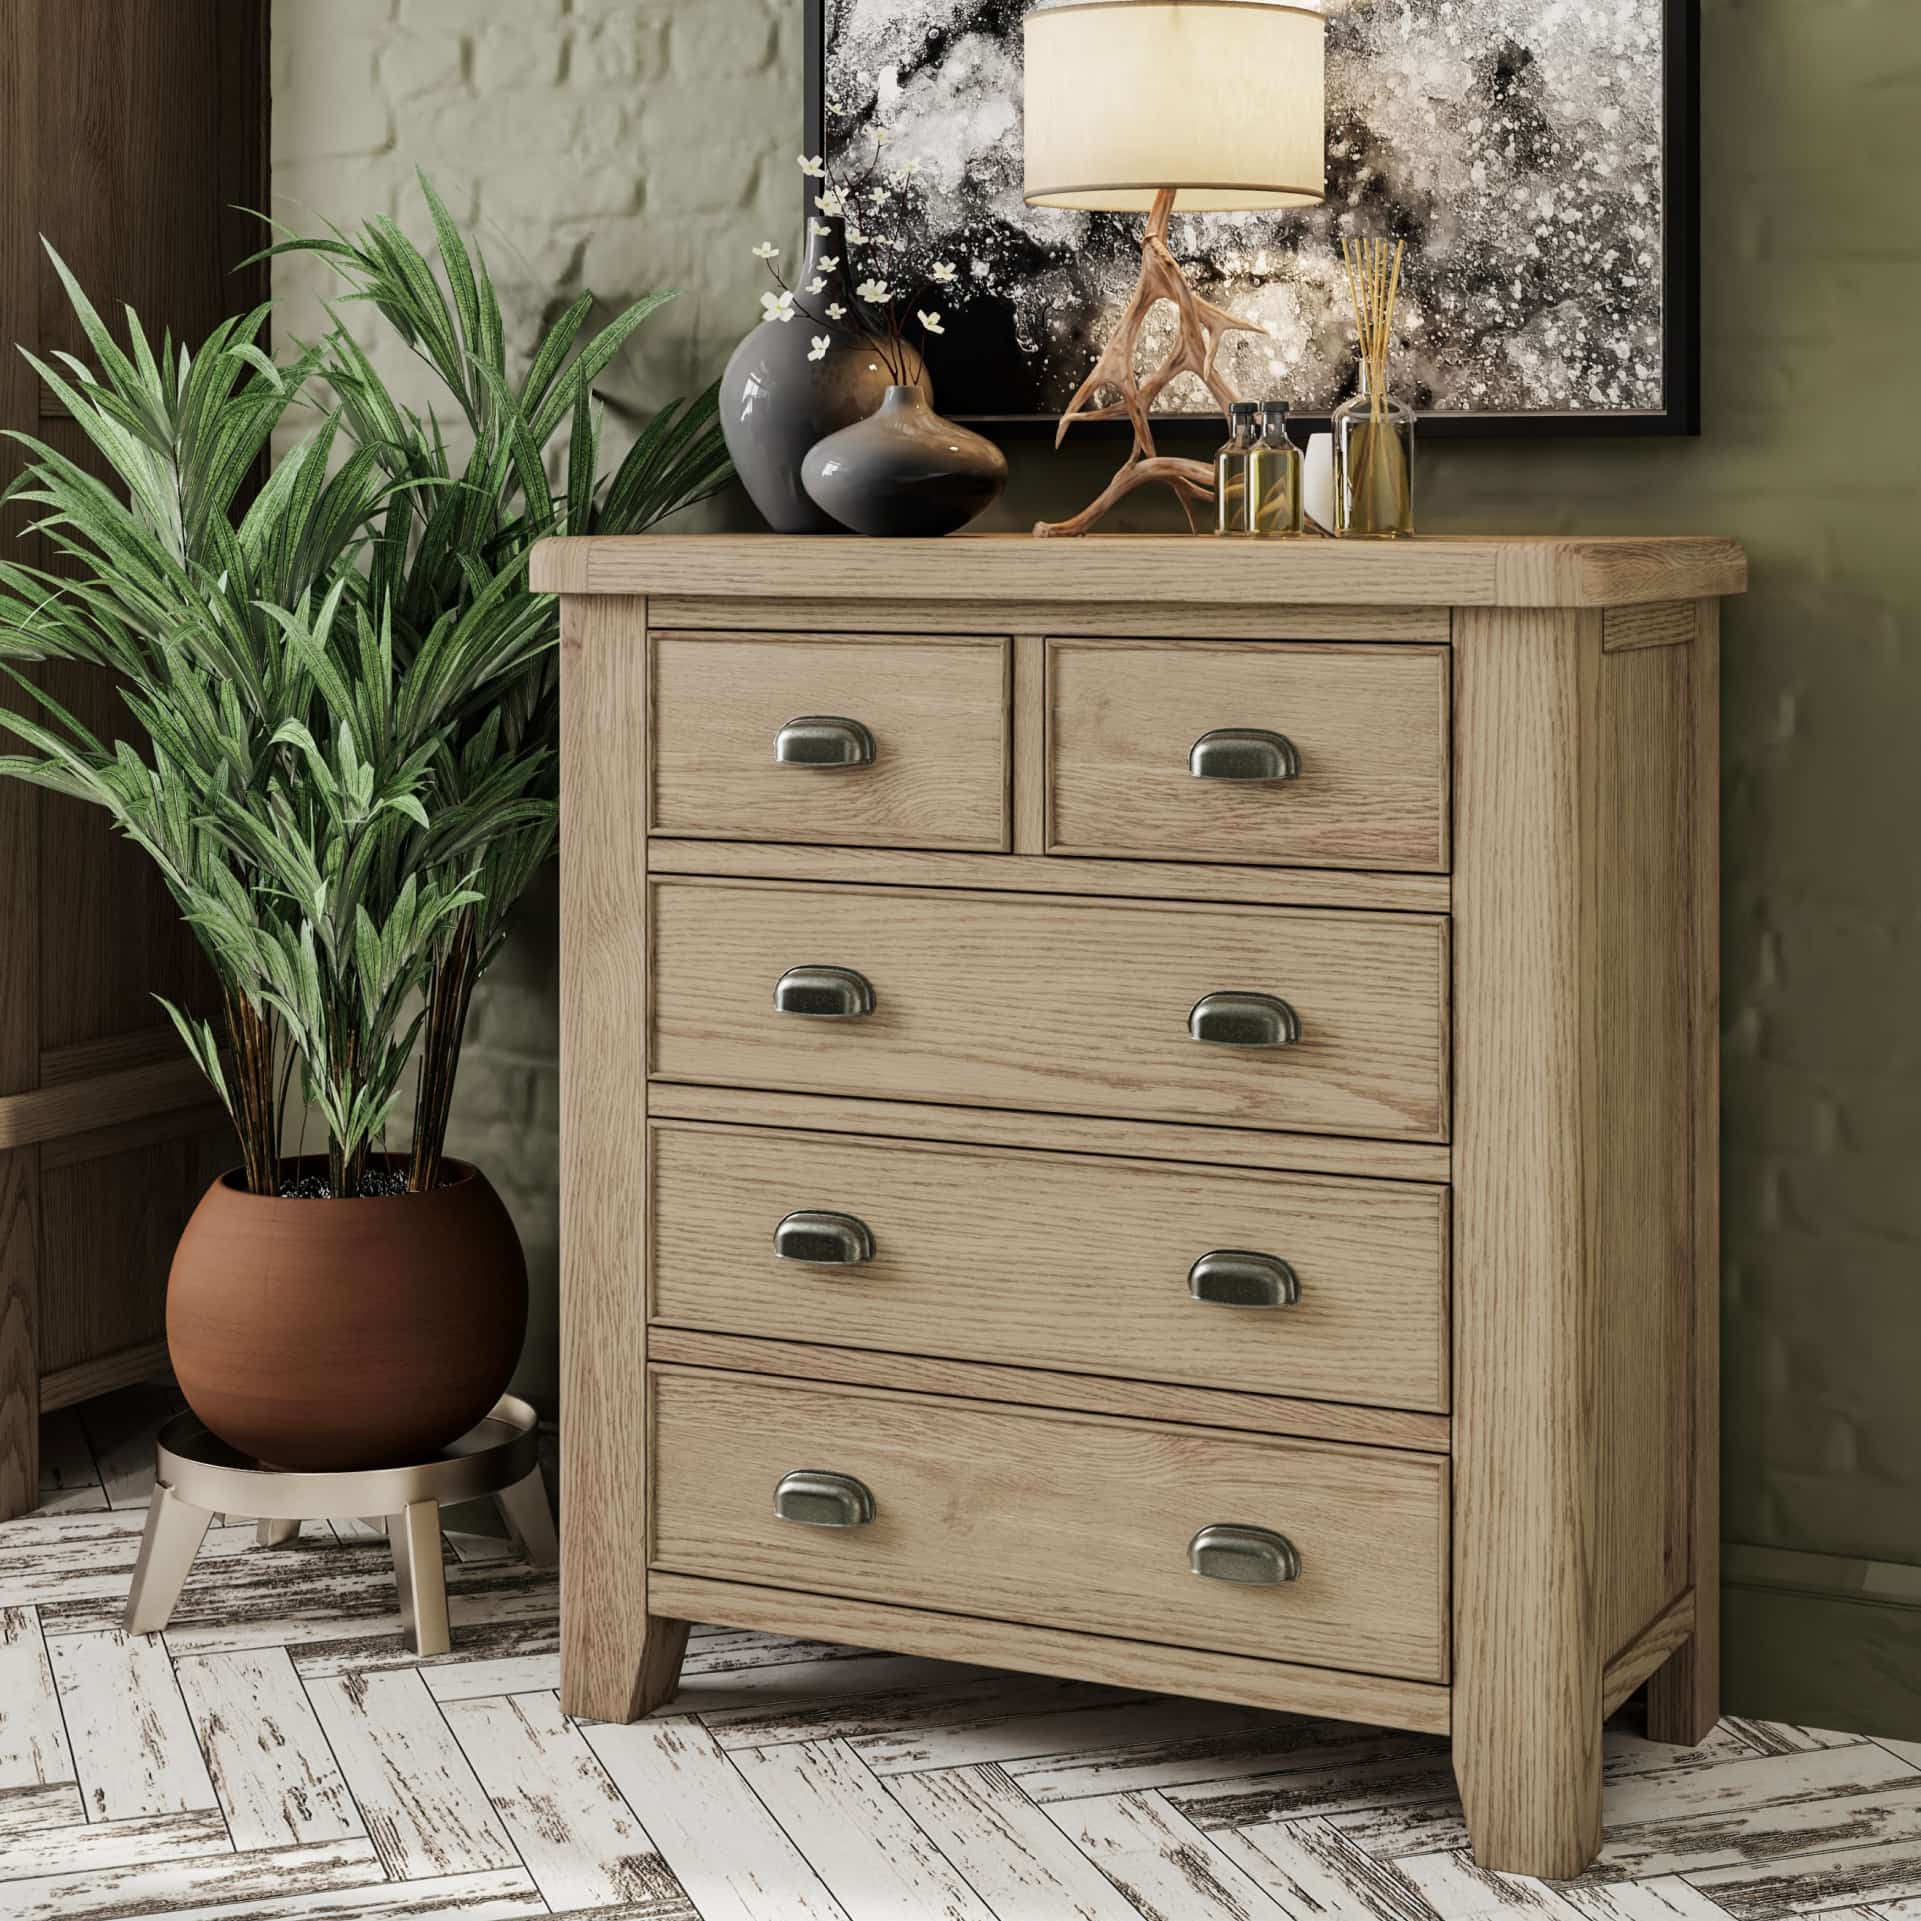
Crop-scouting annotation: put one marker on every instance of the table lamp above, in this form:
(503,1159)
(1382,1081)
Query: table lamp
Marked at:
(1163,107)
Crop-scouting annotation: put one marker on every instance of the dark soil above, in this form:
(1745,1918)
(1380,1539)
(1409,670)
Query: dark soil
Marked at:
(375,1184)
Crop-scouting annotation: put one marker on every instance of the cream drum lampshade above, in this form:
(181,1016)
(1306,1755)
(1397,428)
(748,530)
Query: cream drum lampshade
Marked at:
(1221,101)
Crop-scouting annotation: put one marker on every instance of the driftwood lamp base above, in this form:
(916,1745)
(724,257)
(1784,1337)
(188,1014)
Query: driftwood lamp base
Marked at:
(1200,327)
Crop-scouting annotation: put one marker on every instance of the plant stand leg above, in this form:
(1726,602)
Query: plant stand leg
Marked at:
(421,1577)
(175,1529)
(275,1533)
(530,1519)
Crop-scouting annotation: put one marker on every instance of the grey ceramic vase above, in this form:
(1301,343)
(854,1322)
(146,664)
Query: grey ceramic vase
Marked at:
(776,402)
(905,471)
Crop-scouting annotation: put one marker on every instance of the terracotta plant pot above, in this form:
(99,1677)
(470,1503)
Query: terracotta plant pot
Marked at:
(329,1335)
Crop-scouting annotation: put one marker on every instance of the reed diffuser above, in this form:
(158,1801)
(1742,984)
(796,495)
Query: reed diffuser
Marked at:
(1373,432)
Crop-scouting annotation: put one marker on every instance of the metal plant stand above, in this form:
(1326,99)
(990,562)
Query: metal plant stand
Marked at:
(198,1477)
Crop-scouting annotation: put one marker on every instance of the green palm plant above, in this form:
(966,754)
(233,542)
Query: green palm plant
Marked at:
(455,522)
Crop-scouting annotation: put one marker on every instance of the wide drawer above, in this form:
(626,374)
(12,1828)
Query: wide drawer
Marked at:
(1069,1521)
(1058,1261)
(1080,1006)
(935,712)
(1368,727)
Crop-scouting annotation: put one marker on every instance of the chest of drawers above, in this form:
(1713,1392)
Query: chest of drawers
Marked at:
(1146,1110)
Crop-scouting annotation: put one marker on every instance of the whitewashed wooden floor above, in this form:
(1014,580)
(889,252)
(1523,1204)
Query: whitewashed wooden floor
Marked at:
(277,1753)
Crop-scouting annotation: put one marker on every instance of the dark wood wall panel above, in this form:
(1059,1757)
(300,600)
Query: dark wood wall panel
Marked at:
(132,132)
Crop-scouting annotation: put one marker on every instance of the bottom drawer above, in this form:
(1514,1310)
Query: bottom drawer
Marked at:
(1061,1520)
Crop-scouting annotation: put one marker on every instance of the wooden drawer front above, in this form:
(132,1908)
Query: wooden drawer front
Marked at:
(1063,1520)
(1370,725)
(1000,1000)
(1049,1260)
(937,711)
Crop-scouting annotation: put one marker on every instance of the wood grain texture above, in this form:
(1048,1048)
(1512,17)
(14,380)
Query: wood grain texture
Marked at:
(875,612)
(937,709)
(19,1338)
(1075,1133)
(1661,624)
(1283,1685)
(1684,1697)
(1640,1657)
(1059,1520)
(1370,723)
(866,1849)
(33,1737)
(1023,872)
(727,1851)
(1052,1261)
(1041,1387)
(1527,1298)
(1028,767)
(1147,570)
(276,1778)
(415,1789)
(78,1106)
(68,1385)
(1073,1005)
(615,1665)
(1642,866)
(109,1683)
(108,1231)
(581,1842)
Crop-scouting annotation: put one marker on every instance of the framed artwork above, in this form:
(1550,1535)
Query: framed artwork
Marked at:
(1539,157)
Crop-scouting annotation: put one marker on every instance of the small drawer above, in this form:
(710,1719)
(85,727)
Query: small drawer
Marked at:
(901,743)
(1332,1290)
(1069,1005)
(1315,756)
(1334,1556)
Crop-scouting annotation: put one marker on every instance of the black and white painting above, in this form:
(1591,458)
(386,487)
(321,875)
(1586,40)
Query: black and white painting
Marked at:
(1535,155)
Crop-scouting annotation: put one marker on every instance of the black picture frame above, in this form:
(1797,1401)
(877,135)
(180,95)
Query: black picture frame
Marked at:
(1681,270)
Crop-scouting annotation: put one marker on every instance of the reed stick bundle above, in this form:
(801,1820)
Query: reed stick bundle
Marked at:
(1379,481)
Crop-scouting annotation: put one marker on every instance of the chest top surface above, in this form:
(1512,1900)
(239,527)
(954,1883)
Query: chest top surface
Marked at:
(1155,569)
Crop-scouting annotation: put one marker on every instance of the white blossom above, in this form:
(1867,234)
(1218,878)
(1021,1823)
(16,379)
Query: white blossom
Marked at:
(836,311)
(818,284)
(829,203)
(943,274)
(767,251)
(872,291)
(882,136)
(814,169)
(821,343)
(908,168)
(777,306)
(819,228)
(855,238)
(931,322)
(828,262)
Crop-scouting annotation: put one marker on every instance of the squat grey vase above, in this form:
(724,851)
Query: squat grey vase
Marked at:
(905,471)
(776,402)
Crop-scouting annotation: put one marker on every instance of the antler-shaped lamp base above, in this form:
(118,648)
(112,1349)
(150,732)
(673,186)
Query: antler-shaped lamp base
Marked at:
(1200,327)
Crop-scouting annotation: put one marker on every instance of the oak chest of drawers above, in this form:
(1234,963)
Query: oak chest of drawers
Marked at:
(1145,1109)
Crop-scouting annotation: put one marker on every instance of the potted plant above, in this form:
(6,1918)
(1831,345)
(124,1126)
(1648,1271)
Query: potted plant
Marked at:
(343,766)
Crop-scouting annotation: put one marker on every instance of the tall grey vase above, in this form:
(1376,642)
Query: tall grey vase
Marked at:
(776,402)
(905,471)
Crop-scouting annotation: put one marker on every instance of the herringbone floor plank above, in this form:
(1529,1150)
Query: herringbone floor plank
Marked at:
(278,1755)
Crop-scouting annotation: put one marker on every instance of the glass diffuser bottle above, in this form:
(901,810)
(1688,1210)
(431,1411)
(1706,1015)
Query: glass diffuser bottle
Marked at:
(1373,465)
(1373,432)
(1230,469)
(1275,501)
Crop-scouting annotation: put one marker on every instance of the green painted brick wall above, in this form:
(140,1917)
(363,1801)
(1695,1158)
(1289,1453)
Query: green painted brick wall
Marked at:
(626,144)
